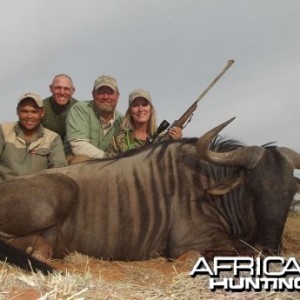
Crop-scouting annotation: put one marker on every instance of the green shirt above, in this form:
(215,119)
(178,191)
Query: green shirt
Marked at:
(55,118)
(19,158)
(83,123)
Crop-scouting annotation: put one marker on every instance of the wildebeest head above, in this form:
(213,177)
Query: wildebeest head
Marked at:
(269,182)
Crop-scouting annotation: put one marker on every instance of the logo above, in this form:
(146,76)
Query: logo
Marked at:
(233,273)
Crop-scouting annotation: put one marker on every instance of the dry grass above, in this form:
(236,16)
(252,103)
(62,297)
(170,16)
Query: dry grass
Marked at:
(82,277)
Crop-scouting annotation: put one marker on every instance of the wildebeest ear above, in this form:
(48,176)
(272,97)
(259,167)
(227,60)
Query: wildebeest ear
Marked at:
(224,186)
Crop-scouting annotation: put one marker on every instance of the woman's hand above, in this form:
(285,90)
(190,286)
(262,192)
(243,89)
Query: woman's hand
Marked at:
(175,133)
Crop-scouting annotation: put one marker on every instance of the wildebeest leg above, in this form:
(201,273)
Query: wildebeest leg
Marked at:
(211,252)
(34,245)
(21,259)
(34,204)
(209,241)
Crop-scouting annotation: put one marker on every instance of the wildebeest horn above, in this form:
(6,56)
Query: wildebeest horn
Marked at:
(244,156)
(292,156)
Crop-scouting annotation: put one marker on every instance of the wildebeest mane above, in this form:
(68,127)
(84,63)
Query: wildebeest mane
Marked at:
(269,145)
(163,144)
(218,144)
(222,144)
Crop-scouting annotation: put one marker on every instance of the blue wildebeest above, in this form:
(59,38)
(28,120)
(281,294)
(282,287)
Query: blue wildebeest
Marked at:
(163,200)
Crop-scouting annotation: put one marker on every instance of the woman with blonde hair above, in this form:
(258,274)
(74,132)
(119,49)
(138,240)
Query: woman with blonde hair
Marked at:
(138,125)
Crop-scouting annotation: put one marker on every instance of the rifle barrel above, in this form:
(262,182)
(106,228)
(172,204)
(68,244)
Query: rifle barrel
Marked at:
(229,64)
(182,120)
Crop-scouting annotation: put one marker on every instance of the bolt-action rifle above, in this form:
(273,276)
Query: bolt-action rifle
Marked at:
(187,116)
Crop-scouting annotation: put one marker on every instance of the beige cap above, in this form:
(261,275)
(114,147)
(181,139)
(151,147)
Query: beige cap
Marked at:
(106,81)
(139,93)
(37,99)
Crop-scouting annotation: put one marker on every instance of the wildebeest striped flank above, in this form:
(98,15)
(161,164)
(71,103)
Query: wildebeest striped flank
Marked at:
(208,195)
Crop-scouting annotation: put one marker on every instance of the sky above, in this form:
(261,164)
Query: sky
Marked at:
(174,49)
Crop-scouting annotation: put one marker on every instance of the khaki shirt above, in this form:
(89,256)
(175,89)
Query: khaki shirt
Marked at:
(19,158)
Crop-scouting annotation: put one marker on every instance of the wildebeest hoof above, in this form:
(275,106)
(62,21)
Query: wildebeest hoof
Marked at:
(43,256)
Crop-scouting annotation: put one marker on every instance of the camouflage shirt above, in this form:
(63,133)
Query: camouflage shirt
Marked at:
(123,141)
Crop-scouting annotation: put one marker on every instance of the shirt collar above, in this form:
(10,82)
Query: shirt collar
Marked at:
(39,132)
(59,109)
(108,124)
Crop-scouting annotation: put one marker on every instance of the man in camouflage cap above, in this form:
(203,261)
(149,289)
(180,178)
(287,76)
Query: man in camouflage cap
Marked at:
(92,124)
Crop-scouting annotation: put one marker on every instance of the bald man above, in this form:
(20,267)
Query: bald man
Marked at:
(58,105)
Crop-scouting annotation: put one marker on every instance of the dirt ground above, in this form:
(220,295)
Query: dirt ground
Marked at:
(147,274)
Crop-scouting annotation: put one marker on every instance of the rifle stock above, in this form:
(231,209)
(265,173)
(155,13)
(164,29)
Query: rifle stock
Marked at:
(185,117)
(189,112)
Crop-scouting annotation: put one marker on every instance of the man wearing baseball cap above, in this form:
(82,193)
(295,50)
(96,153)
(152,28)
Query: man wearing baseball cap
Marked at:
(26,146)
(92,124)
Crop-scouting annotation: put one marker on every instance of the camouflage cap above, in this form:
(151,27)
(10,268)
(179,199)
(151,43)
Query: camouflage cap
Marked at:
(105,80)
(139,93)
(37,99)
